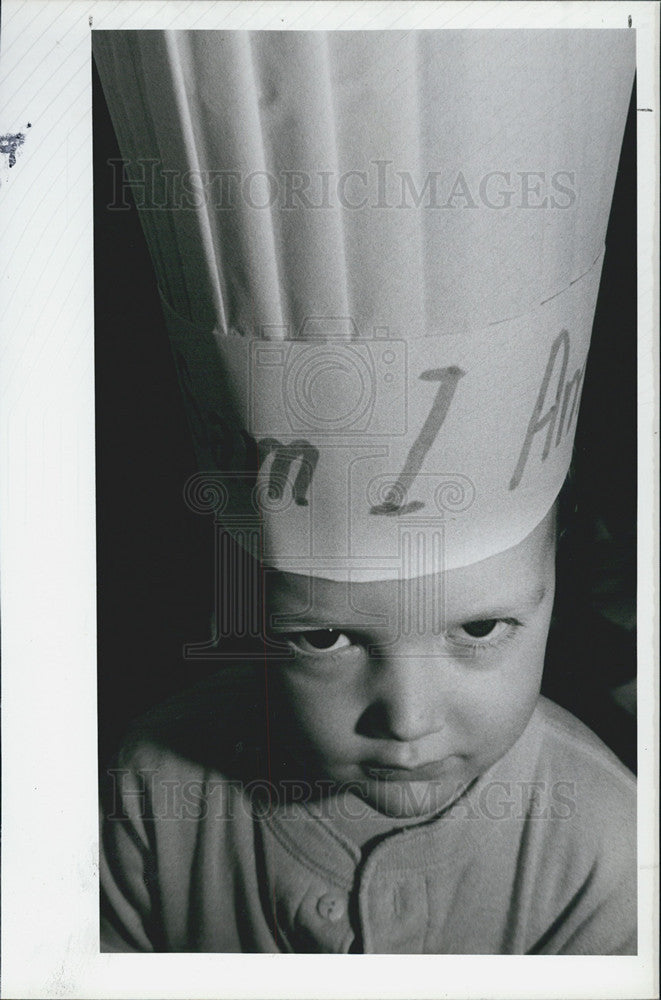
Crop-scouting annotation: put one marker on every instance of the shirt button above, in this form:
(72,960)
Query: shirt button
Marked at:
(330,907)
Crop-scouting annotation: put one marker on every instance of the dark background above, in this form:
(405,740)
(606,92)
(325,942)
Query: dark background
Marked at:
(155,559)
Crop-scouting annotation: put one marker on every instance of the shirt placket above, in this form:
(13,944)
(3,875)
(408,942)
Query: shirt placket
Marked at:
(308,885)
(406,889)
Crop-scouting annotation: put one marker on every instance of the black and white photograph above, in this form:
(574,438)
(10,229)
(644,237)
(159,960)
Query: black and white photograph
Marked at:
(365,492)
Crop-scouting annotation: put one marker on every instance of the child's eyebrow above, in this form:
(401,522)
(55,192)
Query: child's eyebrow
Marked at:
(283,624)
(506,608)
(298,625)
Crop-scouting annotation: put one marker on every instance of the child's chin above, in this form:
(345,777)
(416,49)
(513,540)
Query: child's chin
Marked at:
(412,799)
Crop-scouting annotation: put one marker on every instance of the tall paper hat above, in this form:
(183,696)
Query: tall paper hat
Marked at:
(379,255)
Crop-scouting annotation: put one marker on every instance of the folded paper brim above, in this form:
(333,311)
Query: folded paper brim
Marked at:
(386,459)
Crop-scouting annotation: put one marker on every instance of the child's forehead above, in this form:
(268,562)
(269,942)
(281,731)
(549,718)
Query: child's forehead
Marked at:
(512,580)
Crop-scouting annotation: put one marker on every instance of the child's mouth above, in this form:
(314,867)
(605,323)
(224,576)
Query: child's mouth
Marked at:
(432,771)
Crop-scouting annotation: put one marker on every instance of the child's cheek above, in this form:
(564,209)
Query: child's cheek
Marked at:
(319,705)
(501,710)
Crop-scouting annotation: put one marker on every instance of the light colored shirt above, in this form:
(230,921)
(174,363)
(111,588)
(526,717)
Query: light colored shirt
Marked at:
(202,854)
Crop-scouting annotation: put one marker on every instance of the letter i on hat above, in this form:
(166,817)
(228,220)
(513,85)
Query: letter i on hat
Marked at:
(379,256)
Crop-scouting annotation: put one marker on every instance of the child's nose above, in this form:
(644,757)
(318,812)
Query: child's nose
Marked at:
(407,700)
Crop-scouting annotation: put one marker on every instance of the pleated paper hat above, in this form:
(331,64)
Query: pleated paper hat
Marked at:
(379,255)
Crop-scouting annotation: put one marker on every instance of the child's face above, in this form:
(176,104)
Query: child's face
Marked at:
(405,692)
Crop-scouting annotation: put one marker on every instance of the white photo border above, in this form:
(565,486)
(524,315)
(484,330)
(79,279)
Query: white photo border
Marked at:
(50,943)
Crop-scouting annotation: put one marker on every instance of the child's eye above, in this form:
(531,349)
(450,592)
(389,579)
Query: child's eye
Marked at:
(483,633)
(481,629)
(323,640)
